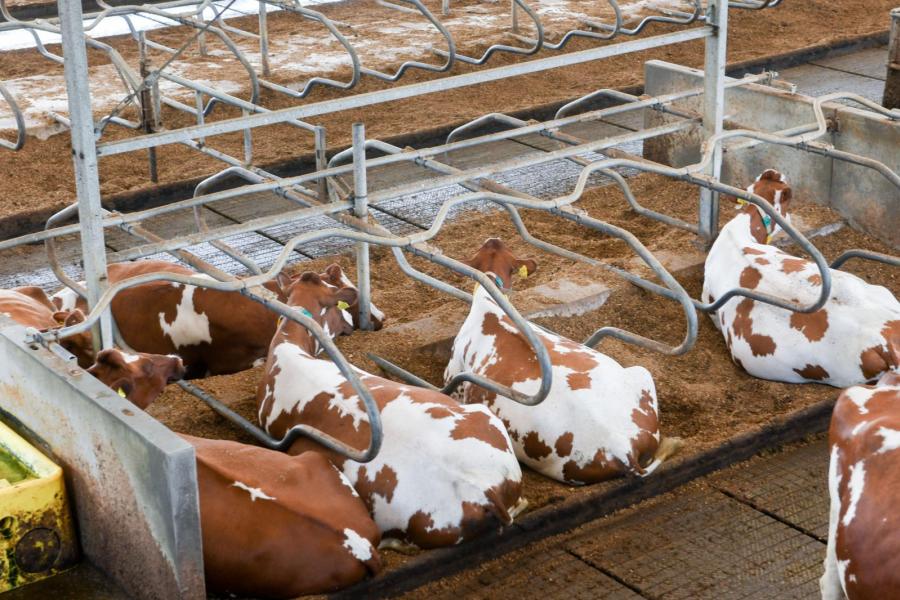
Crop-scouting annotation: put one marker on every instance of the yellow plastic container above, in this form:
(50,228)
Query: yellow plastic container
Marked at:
(37,537)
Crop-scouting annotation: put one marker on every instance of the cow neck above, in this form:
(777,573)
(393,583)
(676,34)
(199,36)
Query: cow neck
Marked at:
(297,334)
(749,227)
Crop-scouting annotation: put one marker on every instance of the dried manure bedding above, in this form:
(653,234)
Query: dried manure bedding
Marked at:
(703,396)
(40,178)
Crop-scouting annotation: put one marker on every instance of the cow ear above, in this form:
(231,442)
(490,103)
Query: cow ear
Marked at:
(334,274)
(346,294)
(74,317)
(283,284)
(110,356)
(525,267)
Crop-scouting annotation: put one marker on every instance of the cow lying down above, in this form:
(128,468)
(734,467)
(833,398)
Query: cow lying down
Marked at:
(599,420)
(862,560)
(445,472)
(214,332)
(273,525)
(853,339)
(30,307)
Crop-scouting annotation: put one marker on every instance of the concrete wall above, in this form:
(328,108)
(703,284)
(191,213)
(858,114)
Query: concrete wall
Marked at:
(863,196)
(132,482)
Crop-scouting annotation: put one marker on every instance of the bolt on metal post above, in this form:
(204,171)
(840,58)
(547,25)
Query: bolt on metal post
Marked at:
(361,210)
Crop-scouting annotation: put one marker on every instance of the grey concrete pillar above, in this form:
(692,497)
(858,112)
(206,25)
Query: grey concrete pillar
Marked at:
(892,83)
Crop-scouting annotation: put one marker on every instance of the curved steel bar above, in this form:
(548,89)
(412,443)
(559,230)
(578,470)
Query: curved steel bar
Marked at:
(536,43)
(571,34)
(17,116)
(281,309)
(53,258)
(317,81)
(865,255)
(687,19)
(689,174)
(450,53)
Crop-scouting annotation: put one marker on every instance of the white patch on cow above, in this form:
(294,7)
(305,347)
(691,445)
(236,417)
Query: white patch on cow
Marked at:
(890,439)
(359,547)
(859,396)
(254,492)
(345,481)
(129,358)
(859,427)
(68,299)
(842,566)
(258,362)
(599,417)
(855,487)
(189,327)
(856,311)
(831,582)
(373,310)
(301,378)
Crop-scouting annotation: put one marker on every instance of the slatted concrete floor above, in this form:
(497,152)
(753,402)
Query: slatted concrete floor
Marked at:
(753,531)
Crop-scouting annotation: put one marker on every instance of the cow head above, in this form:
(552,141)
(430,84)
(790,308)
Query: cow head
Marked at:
(139,377)
(335,276)
(322,302)
(773,187)
(80,344)
(494,257)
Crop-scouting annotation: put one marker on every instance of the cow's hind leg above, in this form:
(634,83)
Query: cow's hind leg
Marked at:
(830,583)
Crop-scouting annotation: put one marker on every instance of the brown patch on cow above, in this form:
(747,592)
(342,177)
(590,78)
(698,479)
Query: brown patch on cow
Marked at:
(793,265)
(383,484)
(534,446)
(513,433)
(577,358)
(761,261)
(439,412)
(477,425)
(750,278)
(750,250)
(644,444)
(812,325)
(578,381)
(815,279)
(738,362)
(815,372)
(598,469)
(878,359)
(564,444)
(760,345)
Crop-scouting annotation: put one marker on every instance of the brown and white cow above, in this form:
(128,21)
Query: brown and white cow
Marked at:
(273,525)
(445,472)
(30,306)
(862,561)
(139,377)
(599,420)
(853,339)
(214,332)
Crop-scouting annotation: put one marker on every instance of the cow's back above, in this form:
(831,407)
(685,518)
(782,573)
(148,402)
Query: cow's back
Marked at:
(844,343)
(27,309)
(279,526)
(864,481)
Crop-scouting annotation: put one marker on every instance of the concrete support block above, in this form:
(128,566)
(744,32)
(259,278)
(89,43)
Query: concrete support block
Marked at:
(133,483)
(892,82)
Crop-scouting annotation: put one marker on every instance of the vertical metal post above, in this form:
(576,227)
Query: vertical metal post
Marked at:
(713,110)
(198,102)
(515,16)
(147,104)
(892,81)
(361,210)
(84,155)
(248,141)
(321,163)
(445,7)
(263,38)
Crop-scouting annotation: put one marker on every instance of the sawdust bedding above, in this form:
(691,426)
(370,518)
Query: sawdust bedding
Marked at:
(704,398)
(39,178)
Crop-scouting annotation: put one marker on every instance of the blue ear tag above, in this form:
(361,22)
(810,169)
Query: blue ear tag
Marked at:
(498,281)
(767,221)
(306,313)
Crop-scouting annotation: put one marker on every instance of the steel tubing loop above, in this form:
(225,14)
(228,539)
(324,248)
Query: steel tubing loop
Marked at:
(536,43)
(865,255)
(682,19)
(573,33)
(17,116)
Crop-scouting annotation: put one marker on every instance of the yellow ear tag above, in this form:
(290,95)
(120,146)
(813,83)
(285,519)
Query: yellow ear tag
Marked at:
(342,305)
(523,272)
(280,322)
(122,393)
